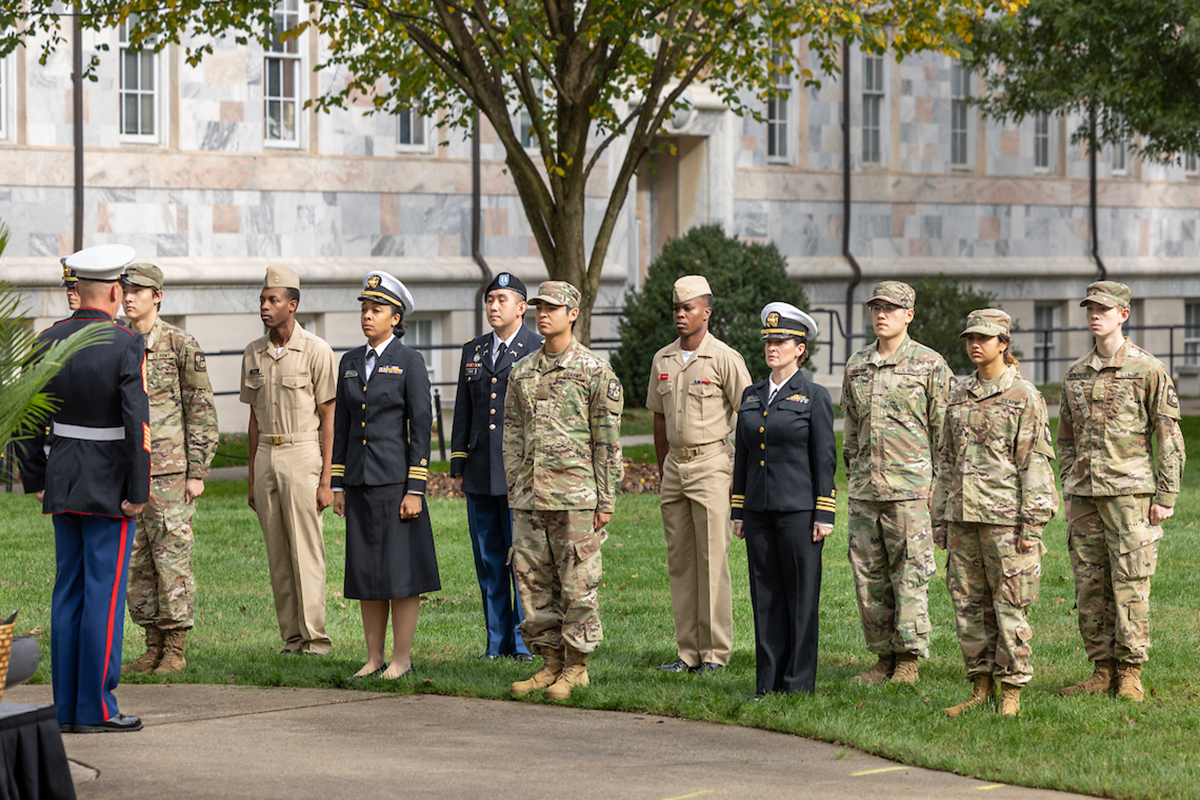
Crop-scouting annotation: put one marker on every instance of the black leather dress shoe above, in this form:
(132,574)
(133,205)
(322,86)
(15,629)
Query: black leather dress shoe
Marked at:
(66,727)
(708,667)
(118,723)
(679,665)
(524,658)
(489,657)
(754,698)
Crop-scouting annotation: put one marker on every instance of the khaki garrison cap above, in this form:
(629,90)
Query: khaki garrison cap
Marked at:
(556,293)
(895,292)
(988,322)
(689,287)
(281,278)
(1108,293)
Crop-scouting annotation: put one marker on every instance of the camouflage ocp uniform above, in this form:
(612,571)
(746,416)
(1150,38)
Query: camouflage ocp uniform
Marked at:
(893,409)
(562,461)
(994,485)
(183,429)
(1112,411)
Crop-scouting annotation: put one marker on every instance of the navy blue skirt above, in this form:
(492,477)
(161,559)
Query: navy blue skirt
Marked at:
(387,558)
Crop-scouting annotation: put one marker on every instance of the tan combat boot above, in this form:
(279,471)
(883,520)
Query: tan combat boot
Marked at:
(573,674)
(1103,679)
(906,669)
(1129,682)
(879,673)
(172,653)
(985,687)
(148,660)
(552,666)
(1010,700)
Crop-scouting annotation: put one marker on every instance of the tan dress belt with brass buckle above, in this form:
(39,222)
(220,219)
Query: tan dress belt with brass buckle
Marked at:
(688,453)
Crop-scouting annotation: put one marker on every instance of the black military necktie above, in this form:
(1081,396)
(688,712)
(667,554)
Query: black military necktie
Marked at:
(370,364)
(500,351)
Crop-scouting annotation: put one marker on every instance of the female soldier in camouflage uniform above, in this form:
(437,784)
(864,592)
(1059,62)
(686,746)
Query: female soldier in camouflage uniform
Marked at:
(993,495)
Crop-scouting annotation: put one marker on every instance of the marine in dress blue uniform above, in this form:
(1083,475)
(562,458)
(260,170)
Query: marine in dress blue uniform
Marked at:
(94,481)
(478,458)
(784,463)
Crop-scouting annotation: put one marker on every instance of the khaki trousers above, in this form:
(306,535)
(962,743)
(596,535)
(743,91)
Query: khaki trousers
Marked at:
(286,477)
(696,524)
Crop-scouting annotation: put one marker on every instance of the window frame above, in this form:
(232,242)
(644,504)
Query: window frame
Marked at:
(1121,147)
(1191,165)
(422,124)
(290,58)
(428,349)
(155,95)
(960,121)
(1191,332)
(779,126)
(1045,344)
(874,93)
(1041,143)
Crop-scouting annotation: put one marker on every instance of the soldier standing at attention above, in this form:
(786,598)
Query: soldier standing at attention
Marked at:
(1115,400)
(94,482)
(993,496)
(696,383)
(477,462)
(894,399)
(183,431)
(289,381)
(562,461)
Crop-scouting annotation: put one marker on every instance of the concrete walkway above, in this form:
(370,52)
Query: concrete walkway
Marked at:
(234,742)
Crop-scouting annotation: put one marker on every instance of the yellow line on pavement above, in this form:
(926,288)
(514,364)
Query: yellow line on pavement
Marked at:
(693,794)
(876,771)
(993,786)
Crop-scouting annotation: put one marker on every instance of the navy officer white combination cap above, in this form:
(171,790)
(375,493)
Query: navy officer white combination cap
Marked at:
(383,288)
(783,320)
(104,262)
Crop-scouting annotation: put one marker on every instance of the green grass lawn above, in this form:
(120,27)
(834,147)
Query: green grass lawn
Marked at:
(1090,745)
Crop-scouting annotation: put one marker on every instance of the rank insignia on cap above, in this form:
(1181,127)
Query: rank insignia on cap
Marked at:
(614,389)
(773,319)
(373,282)
(503,279)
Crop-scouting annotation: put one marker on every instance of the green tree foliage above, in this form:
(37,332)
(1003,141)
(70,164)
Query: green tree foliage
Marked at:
(596,79)
(941,314)
(744,278)
(1135,63)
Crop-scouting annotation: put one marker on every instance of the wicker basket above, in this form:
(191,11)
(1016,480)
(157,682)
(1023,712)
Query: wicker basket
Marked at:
(6,637)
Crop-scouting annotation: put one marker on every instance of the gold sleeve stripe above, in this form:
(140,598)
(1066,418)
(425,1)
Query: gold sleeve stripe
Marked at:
(459,454)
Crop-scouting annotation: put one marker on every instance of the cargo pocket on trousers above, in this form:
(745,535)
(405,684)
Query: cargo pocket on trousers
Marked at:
(1021,585)
(586,547)
(1139,552)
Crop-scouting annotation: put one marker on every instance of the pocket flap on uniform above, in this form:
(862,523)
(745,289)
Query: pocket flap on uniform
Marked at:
(750,404)
(255,381)
(294,381)
(587,546)
(1138,537)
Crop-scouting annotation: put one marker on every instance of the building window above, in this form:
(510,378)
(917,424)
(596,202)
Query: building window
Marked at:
(410,130)
(1045,342)
(1041,142)
(421,337)
(1191,332)
(4,83)
(777,106)
(1190,165)
(1120,157)
(138,95)
(281,77)
(960,81)
(872,108)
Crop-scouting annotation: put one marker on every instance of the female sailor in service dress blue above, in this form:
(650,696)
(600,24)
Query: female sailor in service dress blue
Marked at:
(380,463)
(783,468)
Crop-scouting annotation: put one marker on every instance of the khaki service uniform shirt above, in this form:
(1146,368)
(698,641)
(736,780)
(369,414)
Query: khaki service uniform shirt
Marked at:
(1109,413)
(700,398)
(285,389)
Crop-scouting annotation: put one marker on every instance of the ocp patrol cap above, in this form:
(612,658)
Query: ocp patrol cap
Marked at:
(988,322)
(143,275)
(506,280)
(690,287)
(104,262)
(784,320)
(897,293)
(381,287)
(557,293)
(1108,293)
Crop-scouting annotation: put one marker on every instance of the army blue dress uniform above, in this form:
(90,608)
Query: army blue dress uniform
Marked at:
(381,432)
(784,464)
(477,455)
(99,455)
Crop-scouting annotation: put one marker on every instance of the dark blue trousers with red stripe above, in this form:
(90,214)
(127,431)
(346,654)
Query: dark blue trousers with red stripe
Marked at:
(87,615)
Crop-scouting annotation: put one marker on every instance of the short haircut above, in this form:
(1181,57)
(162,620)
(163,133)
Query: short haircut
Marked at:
(293,294)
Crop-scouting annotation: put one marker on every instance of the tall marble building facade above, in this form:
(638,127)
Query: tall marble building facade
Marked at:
(216,171)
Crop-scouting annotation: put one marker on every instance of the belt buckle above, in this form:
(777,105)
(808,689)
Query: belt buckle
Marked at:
(275,439)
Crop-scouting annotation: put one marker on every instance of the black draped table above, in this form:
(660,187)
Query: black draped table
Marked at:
(32,754)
